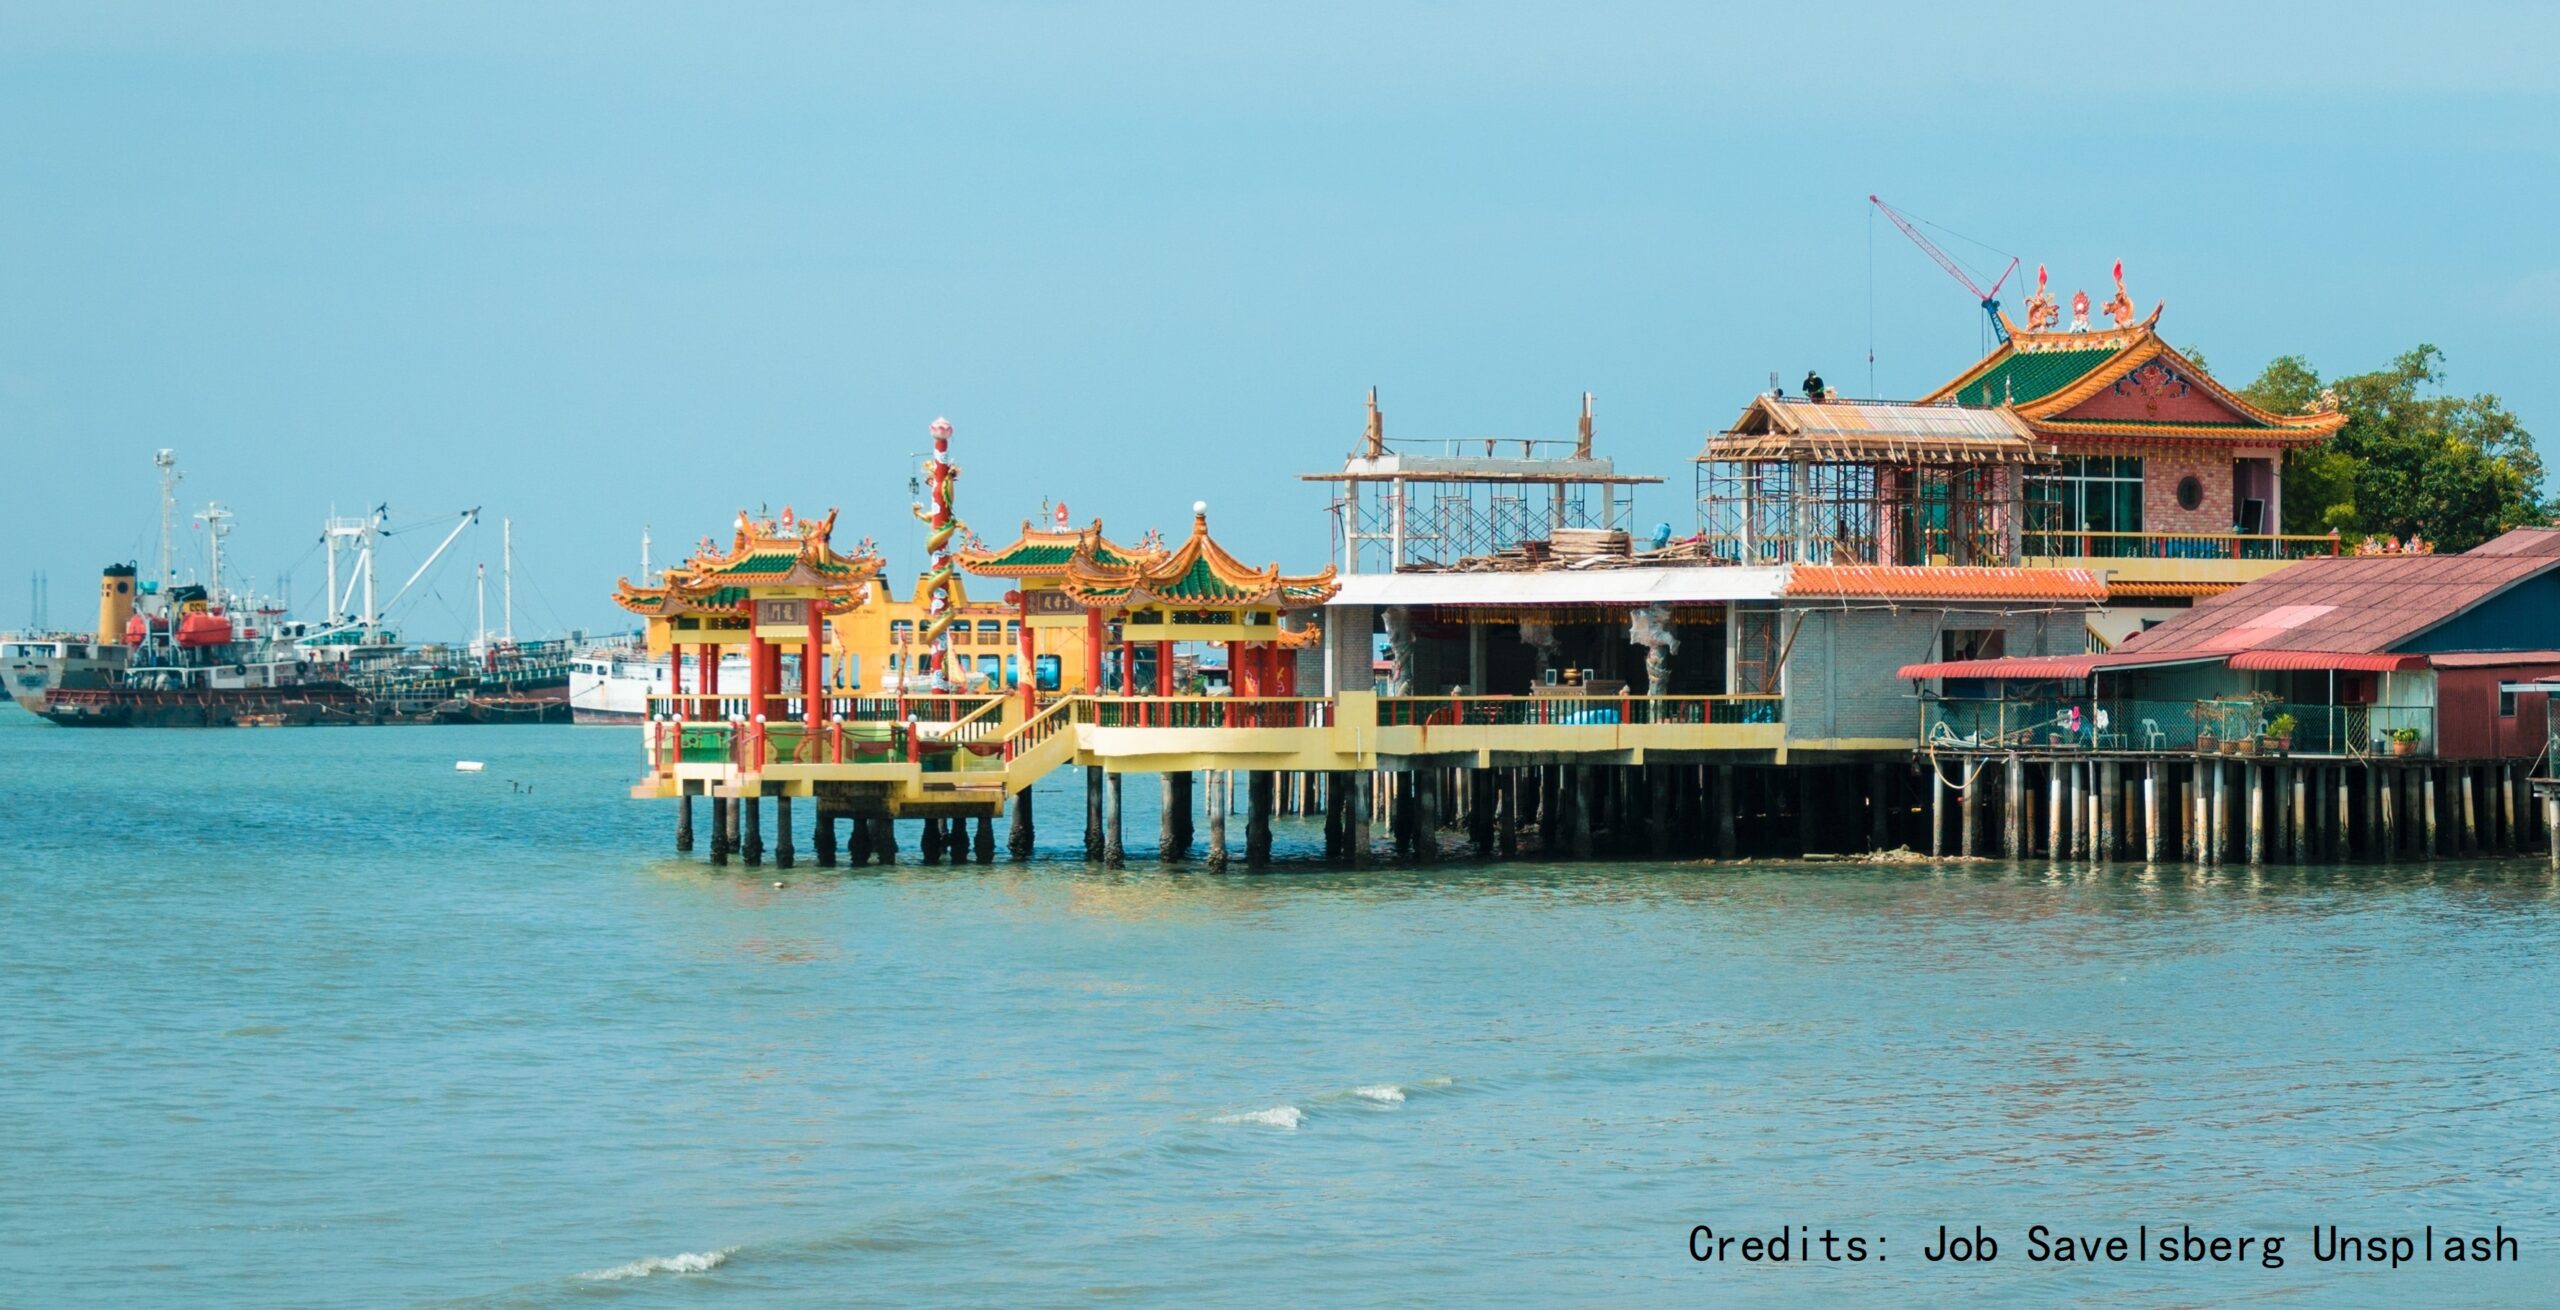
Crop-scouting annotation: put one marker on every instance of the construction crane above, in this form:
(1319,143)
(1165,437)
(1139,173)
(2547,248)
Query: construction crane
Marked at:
(1990,300)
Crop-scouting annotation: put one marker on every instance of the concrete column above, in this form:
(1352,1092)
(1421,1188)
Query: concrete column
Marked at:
(1879,814)
(1359,807)
(1093,811)
(2470,814)
(2013,808)
(2551,824)
(1967,821)
(1257,821)
(859,843)
(2221,845)
(1581,791)
(1219,781)
(723,831)
(1657,821)
(1483,800)
(2110,806)
(986,842)
(1725,843)
(1506,814)
(822,833)
(929,842)
(1172,843)
(2055,807)
(684,823)
(751,838)
(1427,800)
(1115,852)
(783,855)
(1337,837)
(2295,831)
(2151,812)
(2257,776)
(1937,810)
(1023,835)
(2386,792)
(2427,782)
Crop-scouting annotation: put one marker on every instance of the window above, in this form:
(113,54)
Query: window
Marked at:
(990,632)
(2086,493)
(1013,632)
(1048,669)
(2190,491)
(901,631)
(2506,703)
(1974,643)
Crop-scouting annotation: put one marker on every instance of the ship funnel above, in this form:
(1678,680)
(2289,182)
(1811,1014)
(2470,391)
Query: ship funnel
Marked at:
(115,603)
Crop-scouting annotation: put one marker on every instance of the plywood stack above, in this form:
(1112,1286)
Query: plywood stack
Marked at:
(1571,544)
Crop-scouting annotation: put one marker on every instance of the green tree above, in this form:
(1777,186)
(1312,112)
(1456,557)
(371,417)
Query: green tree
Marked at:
(2456,470)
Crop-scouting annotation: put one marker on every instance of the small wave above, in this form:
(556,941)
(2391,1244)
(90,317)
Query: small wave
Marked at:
(689,1262)
(1382,1093)
(1278,1116)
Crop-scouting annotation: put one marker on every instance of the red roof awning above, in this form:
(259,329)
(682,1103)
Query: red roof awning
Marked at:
(2018,666)
(2493,659)
(2268,661)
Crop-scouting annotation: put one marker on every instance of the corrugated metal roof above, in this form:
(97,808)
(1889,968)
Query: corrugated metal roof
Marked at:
(2345,662)
(2351,603)
(1624,586)
(1915,582)
(2052,666)
(2488,659)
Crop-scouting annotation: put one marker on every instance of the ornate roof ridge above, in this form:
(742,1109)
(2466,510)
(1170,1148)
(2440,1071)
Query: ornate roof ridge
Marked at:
(1198,563)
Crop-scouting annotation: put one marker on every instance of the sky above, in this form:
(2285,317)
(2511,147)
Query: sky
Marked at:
(610,268)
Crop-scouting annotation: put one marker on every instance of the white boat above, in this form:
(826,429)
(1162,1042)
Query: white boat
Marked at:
(614,684)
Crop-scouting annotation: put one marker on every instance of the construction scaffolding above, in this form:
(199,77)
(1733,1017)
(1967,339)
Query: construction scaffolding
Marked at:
(1434,503)
(1854,482)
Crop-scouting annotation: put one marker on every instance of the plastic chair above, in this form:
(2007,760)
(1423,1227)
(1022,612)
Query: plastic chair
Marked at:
(2153,739)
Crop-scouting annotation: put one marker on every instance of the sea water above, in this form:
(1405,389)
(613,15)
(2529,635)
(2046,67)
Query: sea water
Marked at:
(306,1017)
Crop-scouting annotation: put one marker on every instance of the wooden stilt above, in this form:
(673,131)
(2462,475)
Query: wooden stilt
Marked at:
(1093,812)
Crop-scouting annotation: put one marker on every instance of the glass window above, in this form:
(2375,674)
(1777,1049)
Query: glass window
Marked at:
(2085,493)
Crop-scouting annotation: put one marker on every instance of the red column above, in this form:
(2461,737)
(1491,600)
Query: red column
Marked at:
(1030,671)
(706,673)
(755,677)
(1093,652)
(813,661)
(1128,669)
(675,676)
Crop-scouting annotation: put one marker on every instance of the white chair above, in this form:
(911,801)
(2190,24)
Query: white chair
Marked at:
(2153,739)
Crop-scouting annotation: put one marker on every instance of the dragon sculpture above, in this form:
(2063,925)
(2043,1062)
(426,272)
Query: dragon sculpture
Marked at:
(941,578)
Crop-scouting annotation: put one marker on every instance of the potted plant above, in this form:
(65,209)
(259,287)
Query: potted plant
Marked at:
(2242,745)
(2280,733)
(2404,741)
(2206,742)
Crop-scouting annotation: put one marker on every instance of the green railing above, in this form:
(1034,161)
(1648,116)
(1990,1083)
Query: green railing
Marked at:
(1573,711)
(2178,726)
(2059,544)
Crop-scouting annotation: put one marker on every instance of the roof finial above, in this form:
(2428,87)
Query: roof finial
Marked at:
(2120,306)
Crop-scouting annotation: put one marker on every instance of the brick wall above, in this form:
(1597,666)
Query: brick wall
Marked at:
(2161,473)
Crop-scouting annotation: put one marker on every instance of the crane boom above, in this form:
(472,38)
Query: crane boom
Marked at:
(1990,300)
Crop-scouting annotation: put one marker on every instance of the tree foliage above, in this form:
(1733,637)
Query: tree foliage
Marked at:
(2456,470)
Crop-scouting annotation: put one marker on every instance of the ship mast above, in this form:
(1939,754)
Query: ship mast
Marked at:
(167,462)
(217,525)
(507,539)
(480,597)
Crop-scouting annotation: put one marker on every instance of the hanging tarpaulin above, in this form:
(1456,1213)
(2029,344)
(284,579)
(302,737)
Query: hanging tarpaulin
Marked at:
(1650,628)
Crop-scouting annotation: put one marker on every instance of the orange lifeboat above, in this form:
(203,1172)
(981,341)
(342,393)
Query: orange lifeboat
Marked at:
(201,629)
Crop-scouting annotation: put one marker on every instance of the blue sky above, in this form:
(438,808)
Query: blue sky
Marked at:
(601,266)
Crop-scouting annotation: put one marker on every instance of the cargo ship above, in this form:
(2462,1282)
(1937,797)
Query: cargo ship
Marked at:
(170,655)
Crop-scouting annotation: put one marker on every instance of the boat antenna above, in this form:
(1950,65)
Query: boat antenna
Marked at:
(167,462)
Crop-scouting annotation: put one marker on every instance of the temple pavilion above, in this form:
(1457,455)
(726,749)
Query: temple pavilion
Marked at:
(774,588)
(1194,592)
(1051,630)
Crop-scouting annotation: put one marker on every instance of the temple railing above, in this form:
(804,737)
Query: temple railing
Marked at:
(1204,711)
(1574,711)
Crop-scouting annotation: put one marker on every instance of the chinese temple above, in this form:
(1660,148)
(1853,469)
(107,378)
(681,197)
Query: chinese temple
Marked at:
(1052,628)
(776,586)
(1194,592)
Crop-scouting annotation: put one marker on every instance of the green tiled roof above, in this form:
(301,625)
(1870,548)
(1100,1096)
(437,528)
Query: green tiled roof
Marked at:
(1198,583)
(2031,375)
(772,561)
(1026,555)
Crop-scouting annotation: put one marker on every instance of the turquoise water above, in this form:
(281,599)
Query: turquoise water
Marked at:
(306,1018)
